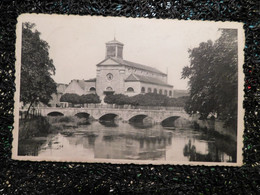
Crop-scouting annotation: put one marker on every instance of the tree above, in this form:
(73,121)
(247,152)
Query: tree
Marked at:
(37,68)
(118,99)
(177,102)
(71,98)
(148,99)
(83,99)
(212,75)
(90,99)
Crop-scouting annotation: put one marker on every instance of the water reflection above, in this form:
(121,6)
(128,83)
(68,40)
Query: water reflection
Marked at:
(109,123)
(190,151)
(137,141)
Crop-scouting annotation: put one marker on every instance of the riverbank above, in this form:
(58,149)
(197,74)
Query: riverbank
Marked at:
(128,141)
(33,127)
(41,126)
(215,128)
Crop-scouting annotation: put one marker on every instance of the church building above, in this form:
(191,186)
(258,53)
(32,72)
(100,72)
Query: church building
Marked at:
(118,76)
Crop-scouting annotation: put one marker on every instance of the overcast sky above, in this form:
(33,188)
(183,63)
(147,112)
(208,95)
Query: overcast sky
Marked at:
(77,43)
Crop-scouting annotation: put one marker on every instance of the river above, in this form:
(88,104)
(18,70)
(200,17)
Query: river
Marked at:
(131,141)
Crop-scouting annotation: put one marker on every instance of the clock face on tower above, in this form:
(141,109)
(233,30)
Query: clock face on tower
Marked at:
(109,76)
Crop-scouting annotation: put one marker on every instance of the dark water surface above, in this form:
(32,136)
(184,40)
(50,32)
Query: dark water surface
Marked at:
(131,141)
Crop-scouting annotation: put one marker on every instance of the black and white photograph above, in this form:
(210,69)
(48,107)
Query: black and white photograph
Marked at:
(128,90)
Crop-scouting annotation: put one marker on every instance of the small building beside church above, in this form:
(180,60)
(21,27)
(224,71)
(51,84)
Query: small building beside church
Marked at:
(115,75)
(81,87)
(56,96)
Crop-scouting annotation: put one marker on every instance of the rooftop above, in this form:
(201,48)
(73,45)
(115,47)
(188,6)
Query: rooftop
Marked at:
(82,83)
(136,65)
(114,42)
(146,79)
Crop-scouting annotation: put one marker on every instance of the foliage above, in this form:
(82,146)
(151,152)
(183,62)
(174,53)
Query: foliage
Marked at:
(212,75)
(149,99)
(118,99)
(178,102)
(37,68)
(77,99)
(71,98)
(90,99)
(38,126)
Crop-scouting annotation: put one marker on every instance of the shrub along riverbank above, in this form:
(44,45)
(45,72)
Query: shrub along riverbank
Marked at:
(33,127)
(40,126)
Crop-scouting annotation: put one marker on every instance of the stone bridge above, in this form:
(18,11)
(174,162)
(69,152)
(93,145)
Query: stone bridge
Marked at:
(124,114)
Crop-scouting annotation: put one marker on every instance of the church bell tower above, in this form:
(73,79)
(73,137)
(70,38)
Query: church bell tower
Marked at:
(114,49)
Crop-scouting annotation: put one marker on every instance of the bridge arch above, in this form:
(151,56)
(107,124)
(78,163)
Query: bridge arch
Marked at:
(55,113)
(137,118)
(92,89)
(169,121)
(108,117)
(82,115)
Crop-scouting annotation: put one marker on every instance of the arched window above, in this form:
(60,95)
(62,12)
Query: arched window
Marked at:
(149,90)
(170,93)
(109,89)
(165,92)
(143,90)
(130,89)
(155,90)
(160,91)
(92,89)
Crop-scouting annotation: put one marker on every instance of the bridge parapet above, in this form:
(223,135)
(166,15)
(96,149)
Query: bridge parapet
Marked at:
(123,113)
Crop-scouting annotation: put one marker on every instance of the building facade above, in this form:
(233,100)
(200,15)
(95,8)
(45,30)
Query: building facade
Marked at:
(55,101)
(81,87)
(114,75)
(119,76)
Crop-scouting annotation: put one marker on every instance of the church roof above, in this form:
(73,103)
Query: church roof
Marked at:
(81,83)
(114,42)
(136,65)
(146,79)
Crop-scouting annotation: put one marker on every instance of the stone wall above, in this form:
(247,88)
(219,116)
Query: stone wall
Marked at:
(116,83)
(158,87)
(135,85)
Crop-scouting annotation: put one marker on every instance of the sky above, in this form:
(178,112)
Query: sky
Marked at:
(77,43)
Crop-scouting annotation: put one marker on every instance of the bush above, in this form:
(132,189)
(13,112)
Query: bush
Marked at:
(90,99)
(71,98)
(66,119)
(83,99)
(149,99)
(33,127)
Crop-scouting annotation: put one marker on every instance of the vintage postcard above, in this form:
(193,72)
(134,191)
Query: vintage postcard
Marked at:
(128,90)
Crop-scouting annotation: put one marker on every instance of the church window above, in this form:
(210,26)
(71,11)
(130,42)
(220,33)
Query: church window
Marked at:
(120,52)
(130,89)
(109,89)
(143,90)
(149,90)
(170,93)
(109,76)
(165,92)
(160,92)
(92,89)
(155,90)
(111,51)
